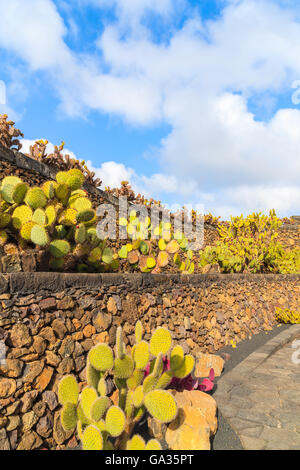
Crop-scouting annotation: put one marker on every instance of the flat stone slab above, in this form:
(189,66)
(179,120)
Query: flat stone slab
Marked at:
(260,397)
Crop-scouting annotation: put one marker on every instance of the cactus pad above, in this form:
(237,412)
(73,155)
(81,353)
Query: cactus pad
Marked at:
(59,248)
(21,215)
(136,443)
(186,367)
(92,438)
(68,390)
(99,407)
(141,355)
(177,357)
(68,416)
(39,236)
(35,198)
(153,444)
(138,396)
(124,367)
(161,405)
(87,398)
(101,357)
(115,421)
(160,342)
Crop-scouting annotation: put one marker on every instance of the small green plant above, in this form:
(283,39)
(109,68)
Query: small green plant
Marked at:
(285,315)
(140,381)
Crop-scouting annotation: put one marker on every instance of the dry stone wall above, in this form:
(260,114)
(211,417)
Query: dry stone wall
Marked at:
(49,322)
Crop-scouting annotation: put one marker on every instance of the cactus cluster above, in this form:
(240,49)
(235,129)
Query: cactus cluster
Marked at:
(249,245)
(57,217)
(140,379)
(167,248)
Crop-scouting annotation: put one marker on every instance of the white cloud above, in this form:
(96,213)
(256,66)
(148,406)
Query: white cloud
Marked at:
(200,83)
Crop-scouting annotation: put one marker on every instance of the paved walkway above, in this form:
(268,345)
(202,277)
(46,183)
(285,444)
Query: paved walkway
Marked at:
(260,397)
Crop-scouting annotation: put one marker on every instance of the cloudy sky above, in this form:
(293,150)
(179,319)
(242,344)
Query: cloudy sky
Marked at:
(193,102)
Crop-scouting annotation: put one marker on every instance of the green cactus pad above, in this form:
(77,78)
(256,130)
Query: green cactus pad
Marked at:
(92,236)
(123,252)
(124,367)
(68,390)
(80,233)
(135,380)
(115,421)
(35,198)
(56,263)
(102,387)
(99,408)
(165,379)
(7,192)
(81,416)
(39,236)
(59,248)
(75,181)
(12,180)
(101,357)
(92,438)
(141,354)
(50,214)
(161,405)
(85,215)
(107,256)
(19,193)
(39,217)
(151,263)
(160,342)
(21,215)
(186,368)
(176,357)
(153,444)
(138,396)
(68,416)
(5,219)
(136,443)
(149,383)
(92,375)
(87,398)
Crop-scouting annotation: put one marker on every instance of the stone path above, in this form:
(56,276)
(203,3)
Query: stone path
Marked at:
(260,397)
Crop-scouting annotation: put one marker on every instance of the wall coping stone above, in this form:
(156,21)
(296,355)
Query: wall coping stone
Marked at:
(54,282)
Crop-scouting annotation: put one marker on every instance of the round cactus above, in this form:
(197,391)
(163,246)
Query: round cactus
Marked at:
(85,215)
(82,204)
(115,421)
(61,177)
(68,390)
(101,357)
(39,217)
(161,405)
(75,179)
(92,438)
(160,342)
(68,217)
(25,230)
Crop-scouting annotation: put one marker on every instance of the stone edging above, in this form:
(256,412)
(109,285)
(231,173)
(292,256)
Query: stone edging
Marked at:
(53,282)
(233,390)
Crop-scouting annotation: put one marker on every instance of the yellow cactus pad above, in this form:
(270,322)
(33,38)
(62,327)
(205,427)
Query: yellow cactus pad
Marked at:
(141,355)
(153,444)
(160,342)
(177,357)
(68,416)
(186,368)
(124,367)
(68,390)
(138,396)
(115,421)
(92,438)
(99,407)
(136,443)
(161,405)
(138,331)
(101,357)
(87,399)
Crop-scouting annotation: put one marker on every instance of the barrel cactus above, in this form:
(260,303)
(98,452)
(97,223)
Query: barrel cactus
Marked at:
(106,421)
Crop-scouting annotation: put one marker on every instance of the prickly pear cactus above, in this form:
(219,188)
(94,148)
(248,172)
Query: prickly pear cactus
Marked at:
(140,381)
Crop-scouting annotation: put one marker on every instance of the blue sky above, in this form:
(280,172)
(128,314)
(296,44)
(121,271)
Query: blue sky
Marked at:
(189,100)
